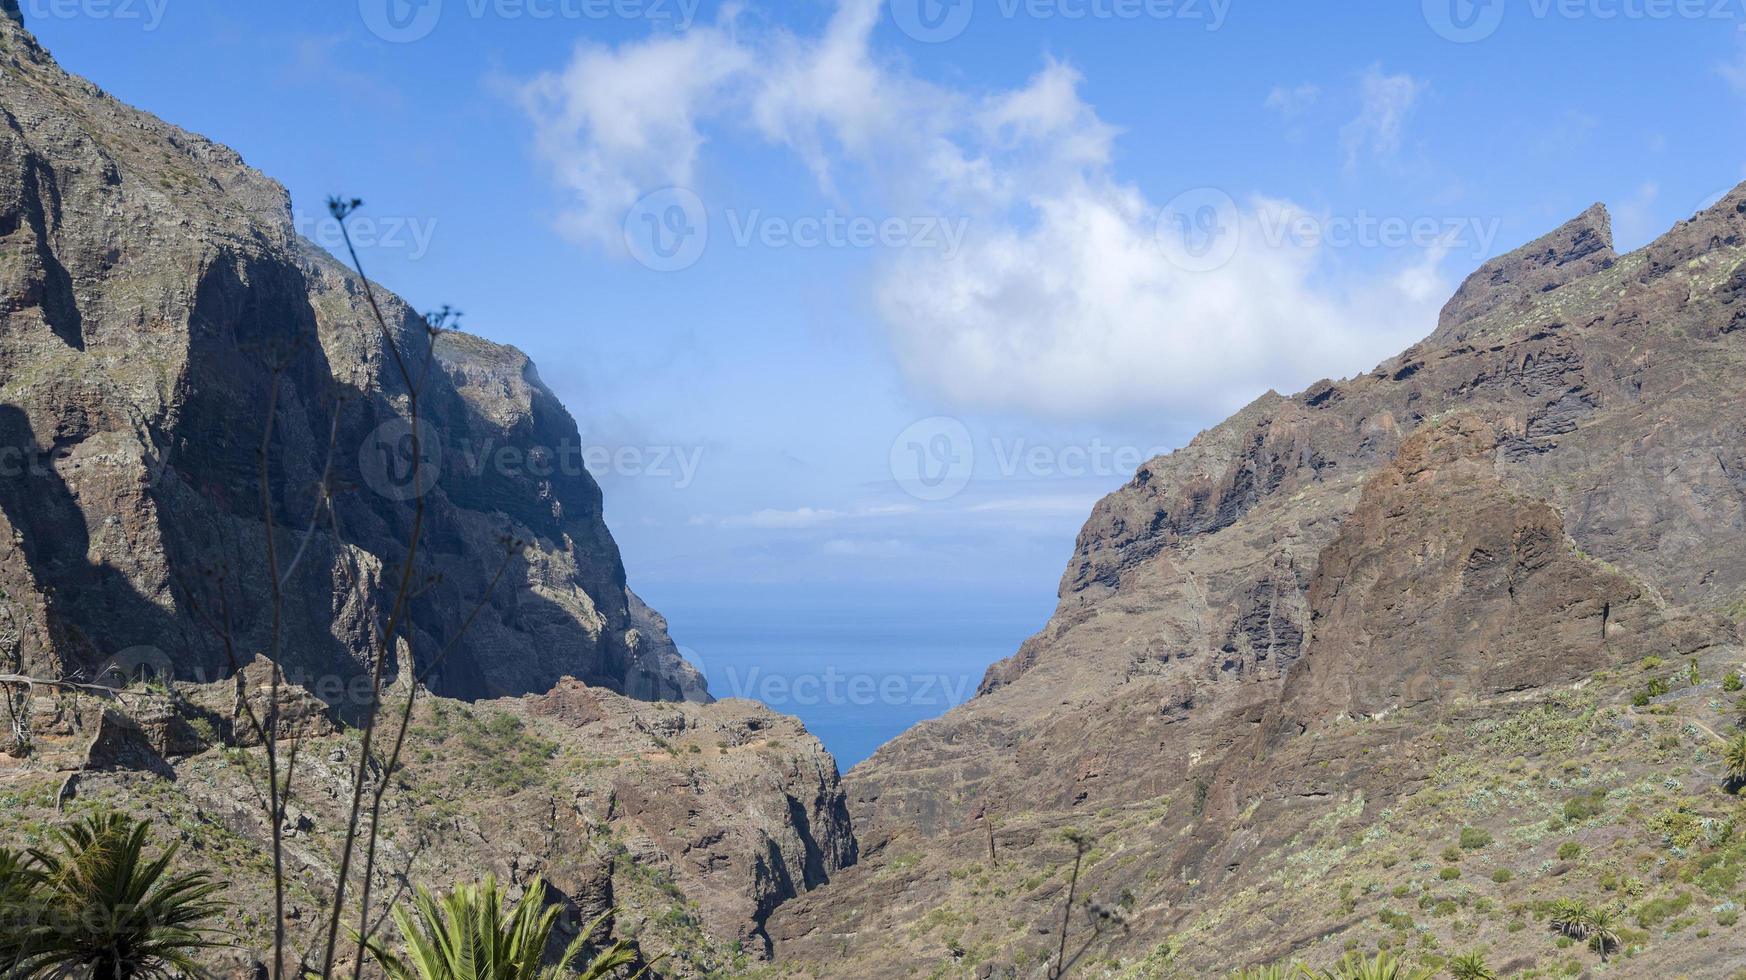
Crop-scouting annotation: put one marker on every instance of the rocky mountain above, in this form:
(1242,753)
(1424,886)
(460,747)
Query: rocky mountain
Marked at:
(185,382)
(1395,662)
(1294,659)
(155,304)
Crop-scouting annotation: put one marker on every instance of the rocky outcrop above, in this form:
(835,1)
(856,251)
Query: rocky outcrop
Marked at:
(156,307)
(694,820)
(1444,585)
(1547,487)
(1583,246)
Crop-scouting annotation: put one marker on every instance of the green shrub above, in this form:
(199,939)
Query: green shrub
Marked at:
(1502,875)
(1449,874)
(1474,838)
(1732,682)
(1658,910)
(1569,851)
(1580,808)
(1452,854)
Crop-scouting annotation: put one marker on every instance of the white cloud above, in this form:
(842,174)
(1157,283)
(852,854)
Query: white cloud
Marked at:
(1071,504)
(1083,316)
(862,548)
(812,517)
(618,123)
(1387,101)
(802,517)
(1061,301)
(1293,101)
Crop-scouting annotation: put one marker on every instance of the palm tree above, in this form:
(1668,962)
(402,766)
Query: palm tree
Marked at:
(468,937)
(1470,966)
(1602,929)
(1384,967)
(103,907)
(1735,758)
(1571,917)
(20,885)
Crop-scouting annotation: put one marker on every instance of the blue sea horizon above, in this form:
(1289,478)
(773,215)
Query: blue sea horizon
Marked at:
(857,667)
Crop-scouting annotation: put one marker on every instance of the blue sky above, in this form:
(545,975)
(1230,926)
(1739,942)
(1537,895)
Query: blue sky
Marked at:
(966,265)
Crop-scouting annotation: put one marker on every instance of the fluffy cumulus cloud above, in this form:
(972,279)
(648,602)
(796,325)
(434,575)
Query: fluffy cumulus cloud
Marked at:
(1075,294)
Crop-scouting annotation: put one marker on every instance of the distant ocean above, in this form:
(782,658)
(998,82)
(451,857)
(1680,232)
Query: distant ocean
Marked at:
(858,668)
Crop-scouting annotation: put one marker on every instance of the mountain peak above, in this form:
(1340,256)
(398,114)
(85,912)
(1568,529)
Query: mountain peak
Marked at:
(9,10)
(1583,245)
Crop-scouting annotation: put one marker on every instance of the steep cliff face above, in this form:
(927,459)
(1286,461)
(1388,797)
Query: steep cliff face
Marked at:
(1551,485)
(155,306)
(160,323)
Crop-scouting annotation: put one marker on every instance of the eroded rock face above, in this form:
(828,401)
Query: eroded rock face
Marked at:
(1444,585)
(1550,485)
(155,303)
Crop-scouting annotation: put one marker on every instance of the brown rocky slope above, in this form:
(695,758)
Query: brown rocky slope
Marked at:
(1273,641)
(693,820)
